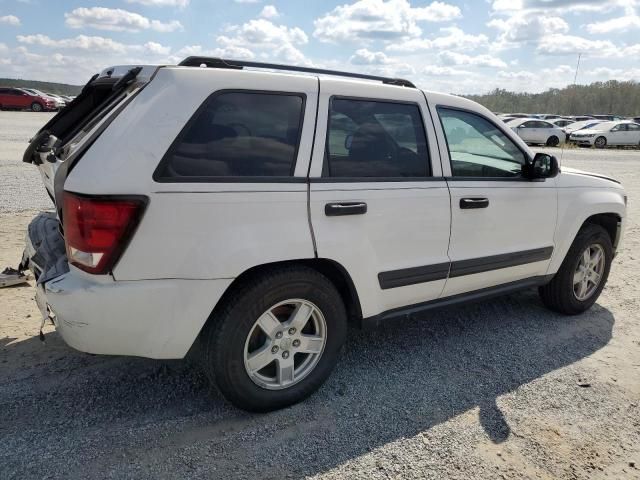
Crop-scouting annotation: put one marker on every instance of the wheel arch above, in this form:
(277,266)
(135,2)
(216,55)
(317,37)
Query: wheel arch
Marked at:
(331,269)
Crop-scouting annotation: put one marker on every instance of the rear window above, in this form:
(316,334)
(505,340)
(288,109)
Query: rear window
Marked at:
(375,139)
(237,134)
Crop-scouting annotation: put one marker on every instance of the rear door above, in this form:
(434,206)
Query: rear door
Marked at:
(379,205)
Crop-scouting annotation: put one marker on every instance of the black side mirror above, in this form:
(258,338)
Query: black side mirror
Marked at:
(543,165)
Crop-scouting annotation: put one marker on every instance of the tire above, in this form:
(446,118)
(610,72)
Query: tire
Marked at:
(559,294)
(600,142)
(36,107)
(229,333)
(553,141)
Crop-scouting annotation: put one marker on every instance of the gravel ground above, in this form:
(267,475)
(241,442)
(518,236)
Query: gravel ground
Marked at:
(498,389)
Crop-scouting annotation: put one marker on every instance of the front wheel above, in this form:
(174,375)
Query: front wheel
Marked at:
(583,273)
(36,107)
(600,142)
(276,338)
(553,141)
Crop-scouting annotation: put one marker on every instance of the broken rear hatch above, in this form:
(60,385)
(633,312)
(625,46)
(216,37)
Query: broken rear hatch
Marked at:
(60,143)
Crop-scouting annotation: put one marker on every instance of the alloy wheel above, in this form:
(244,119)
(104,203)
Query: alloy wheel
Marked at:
(285,344)
(589,272)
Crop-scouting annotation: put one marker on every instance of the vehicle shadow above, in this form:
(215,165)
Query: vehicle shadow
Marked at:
(393,383)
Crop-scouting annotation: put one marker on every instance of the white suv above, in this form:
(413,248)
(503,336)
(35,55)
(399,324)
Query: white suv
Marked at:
(253,214)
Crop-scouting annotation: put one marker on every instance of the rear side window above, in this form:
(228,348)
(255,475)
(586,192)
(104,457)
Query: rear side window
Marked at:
(375,139)
(237,134)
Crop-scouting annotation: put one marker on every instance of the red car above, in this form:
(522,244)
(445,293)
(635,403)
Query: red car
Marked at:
(18,99)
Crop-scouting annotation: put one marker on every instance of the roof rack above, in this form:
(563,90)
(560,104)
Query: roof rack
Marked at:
(213,62)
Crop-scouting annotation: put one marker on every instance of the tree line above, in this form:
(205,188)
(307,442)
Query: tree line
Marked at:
(610,97)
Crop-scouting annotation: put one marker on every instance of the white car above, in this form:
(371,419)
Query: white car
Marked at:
(561,122)
(532,130)
(255,214)
(59,102)
(575,126)
(608,133)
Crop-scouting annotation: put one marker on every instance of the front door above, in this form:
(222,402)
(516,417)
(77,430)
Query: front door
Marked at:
(378,202)
(503,225)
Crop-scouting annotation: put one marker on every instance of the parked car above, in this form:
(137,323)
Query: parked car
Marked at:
(547,116)
(608,133)
(517,115)
(533,131)
(574,127)
(608,117)
(58,102)
(260,217)
(581,118)
(561,122)
(21,99)
(61,100)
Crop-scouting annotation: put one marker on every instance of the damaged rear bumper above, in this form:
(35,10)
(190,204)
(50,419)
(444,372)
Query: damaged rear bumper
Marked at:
(97,314)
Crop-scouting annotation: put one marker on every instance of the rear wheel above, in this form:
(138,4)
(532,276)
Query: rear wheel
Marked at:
(583,273)
(276,339)
(600,142)
(36,107)
(553,141)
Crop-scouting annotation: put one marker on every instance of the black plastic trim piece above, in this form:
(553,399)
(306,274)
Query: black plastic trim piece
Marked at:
(412,276)
(495,262)
(406,313)
(213,62)
(373,179)
(166,158)
(430,273)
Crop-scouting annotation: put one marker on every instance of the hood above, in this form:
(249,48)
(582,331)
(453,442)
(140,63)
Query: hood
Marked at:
(575,171)
(592,131)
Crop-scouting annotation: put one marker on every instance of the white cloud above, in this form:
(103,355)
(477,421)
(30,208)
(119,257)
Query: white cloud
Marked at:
(454,58)
(269,11)
(521,76)
(367,20)
(438,71)
(247,1)
(161,3)
(526,27)
(117,20)
(454,39)
(10,20)
(564,6)
(617,25)
(367,57)
(94,44)
(559,44)
(262,36)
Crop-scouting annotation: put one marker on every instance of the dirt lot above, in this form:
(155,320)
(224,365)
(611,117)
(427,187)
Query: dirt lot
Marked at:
(499,389)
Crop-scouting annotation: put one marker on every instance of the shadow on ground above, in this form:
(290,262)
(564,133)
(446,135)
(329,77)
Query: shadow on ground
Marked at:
(136,417)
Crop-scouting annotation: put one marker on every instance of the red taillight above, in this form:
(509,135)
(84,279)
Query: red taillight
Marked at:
(97,229)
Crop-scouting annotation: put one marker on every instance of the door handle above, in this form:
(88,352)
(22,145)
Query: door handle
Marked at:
(466,203)
(345,208)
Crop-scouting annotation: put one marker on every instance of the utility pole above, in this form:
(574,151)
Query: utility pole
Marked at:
(575,78)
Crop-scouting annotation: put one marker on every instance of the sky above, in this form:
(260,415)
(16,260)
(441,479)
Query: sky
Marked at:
(452,46)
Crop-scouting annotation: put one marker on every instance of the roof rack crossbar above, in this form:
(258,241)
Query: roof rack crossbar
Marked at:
(213,62)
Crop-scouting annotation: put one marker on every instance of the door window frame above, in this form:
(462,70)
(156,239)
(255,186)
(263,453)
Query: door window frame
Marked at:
(526,155)
(325,178)
(166,158)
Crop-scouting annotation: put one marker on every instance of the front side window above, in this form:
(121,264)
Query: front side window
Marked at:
(477,147)
(377,139)
(238,134)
